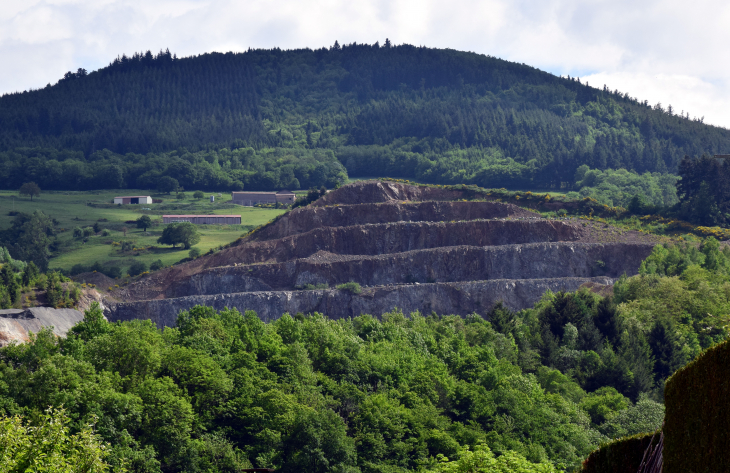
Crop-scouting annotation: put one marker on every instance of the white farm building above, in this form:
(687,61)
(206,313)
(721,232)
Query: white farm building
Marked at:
(133,199)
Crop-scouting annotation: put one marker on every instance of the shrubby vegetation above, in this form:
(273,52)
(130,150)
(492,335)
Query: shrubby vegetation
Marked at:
(538,389)
(18,277)
(640,193)
(30,238)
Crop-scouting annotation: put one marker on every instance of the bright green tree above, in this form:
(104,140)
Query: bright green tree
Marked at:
(482,460)
(184,233)
(49,446)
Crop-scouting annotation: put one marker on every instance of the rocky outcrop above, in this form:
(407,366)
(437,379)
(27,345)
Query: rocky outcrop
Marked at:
(386,238)
(16,324)
(443,298)
(305,218)
(446,264)
(385,191)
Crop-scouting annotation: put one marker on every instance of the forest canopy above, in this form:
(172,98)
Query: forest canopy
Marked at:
(436,115)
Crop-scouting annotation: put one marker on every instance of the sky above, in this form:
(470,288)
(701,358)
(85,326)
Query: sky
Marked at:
(664,51)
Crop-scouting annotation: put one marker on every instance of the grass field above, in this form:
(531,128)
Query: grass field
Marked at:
(83,209)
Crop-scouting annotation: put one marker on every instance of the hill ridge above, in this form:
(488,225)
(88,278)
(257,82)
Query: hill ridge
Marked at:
(436,115)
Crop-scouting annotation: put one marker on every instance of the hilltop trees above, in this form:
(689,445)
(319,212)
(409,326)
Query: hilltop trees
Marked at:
(440,116)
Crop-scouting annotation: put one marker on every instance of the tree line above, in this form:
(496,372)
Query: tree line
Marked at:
(222,169)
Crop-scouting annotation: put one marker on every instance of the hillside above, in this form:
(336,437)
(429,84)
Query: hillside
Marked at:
(275,119)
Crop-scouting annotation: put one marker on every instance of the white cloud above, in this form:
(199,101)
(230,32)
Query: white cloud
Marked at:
(660,50)
(686,94)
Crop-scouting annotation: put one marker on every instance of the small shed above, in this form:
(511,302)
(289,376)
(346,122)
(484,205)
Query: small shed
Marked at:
(203,219)
(133,199)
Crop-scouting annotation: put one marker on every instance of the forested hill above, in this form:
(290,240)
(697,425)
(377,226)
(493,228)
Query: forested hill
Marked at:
(431,114)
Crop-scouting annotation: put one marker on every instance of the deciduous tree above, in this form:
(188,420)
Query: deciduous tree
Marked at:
(30,189)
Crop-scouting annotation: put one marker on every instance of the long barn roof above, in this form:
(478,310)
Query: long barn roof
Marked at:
(189,216)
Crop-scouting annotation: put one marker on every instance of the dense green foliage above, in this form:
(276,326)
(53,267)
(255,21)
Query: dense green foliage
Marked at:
(49,447)
(18,277)
(220,169)
(639,193)
(302,394)
(30,238)
(620,456)
(698,414)
(435,115)
(704,190)
(482,460)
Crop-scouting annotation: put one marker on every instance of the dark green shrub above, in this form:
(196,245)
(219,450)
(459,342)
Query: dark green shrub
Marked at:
(697,422)
(112,271)
(620,456)
(156,265)
(78,269)
(194,252)
(137,267)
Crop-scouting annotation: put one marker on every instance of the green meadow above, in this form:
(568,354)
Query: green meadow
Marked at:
(84,209)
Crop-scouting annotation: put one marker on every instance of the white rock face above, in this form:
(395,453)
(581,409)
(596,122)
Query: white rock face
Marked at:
(16,324)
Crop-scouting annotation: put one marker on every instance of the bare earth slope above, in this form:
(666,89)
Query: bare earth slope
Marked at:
(411,247)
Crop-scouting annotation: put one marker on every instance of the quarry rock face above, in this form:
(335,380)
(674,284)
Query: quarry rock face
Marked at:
(412,248)
(16,324)
(442,298)
(444,264)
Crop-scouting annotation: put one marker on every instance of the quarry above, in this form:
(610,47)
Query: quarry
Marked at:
(410,248)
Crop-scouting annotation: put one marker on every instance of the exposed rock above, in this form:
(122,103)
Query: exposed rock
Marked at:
(446,264)
(443,298)
(15,324)
(305,218)
(385,191)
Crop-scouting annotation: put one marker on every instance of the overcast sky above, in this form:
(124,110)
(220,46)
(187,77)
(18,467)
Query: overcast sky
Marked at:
(661,50)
